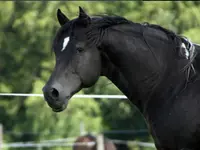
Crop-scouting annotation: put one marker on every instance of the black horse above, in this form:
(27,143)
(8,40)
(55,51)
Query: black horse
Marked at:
(155,68)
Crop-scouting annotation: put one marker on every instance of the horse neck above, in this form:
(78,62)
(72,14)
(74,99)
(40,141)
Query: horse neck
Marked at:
(138,82)
(135,80)
(126,67)
(113,73)
(135,91)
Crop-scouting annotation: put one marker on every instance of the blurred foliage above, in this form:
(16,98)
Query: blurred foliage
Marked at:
(26,60)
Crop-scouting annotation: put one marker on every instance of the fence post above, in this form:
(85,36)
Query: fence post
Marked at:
(1,136)
(39,148)
(82,128)
(100,142)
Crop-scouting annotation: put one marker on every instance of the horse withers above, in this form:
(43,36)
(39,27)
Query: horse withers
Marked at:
(148,63)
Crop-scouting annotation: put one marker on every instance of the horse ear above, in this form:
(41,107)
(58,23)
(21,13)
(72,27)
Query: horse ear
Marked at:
(83,16)
(62,19)
(82,13)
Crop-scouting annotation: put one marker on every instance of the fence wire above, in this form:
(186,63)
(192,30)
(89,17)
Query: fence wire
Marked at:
(70,144)
(75,96)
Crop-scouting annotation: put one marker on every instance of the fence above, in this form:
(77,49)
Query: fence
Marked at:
(75,96)
(99,142)
(1,136)
(68,142)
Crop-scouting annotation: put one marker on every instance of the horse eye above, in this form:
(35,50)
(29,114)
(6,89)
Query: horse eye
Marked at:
(80,49)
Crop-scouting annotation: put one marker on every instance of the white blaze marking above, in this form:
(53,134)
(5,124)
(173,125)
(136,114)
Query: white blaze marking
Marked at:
(65,42)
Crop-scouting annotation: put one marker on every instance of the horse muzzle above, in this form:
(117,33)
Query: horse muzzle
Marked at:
(55,99)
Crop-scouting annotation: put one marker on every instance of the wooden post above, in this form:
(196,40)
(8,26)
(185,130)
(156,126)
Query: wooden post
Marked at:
(100,142)
(1,136)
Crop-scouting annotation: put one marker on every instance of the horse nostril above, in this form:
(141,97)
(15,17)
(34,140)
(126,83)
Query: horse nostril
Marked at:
(54,93)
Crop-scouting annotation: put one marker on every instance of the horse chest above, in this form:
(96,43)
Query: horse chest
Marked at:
(175,124)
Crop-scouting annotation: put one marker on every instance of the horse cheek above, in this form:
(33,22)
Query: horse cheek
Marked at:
(90,69)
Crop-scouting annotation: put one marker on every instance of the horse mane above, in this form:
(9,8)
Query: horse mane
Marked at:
(102,22)
(105,21)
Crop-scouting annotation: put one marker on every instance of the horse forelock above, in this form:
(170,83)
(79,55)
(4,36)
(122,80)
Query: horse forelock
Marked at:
(68,27)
